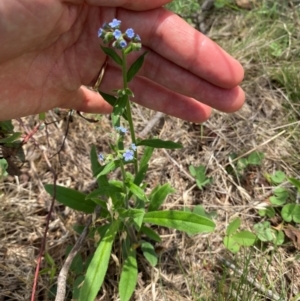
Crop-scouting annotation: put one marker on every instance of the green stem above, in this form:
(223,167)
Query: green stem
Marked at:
(128,110)
(124,186)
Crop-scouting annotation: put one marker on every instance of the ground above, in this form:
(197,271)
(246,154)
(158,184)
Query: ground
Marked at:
(265,39)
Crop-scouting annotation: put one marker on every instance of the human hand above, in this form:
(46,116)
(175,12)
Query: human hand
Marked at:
(53,50)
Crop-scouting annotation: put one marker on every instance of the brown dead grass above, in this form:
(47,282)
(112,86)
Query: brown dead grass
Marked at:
(189,268)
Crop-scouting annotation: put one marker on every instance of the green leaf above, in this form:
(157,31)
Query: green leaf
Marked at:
(280,197)
(219,3)
(76,287)
(296,183)
(150,233)
(149,253)
(199,173)
(278,177)
(136,190)
(120,105)
(136,214)
(159,196)
(98,266)
(279,238)
(198,209)
(109,167)
(42,116)
(269,212)
(183,221)
(129,275)
(135,67)
(158,143)
(3,168)
(148,151)
(291,212)
(111,99)
(6,126)
(106,190)
(233,226)
(244,238)
(140,176)
(71,198)
(11,138)
(77,265)
(231,244)
(94,160)
(112,54)
(263,231)
(97,167)
(256,158)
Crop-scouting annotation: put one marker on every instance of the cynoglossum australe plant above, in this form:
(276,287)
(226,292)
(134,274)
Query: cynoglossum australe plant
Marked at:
(125,208)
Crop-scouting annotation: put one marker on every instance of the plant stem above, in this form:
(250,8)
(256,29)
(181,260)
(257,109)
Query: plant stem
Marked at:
(128,110)
(124,186)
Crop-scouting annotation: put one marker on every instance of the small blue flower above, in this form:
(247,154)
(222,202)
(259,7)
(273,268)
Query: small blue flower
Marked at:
(122,44)
(128,155)
(129,33)
(100,32)
(121,129)
(114,23)
(117,34)
(133,146)
(101,157)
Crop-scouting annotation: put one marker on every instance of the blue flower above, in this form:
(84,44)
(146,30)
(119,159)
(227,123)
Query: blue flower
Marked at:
(100,32)
(128,155)
(122,44)
(114,23)
(117,34)
(129,33)
(133,146)
(101,157)
(121,129)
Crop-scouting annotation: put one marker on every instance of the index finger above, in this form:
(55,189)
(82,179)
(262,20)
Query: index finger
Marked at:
(173,38)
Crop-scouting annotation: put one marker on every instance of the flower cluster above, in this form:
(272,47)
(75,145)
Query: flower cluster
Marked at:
(110,32)
(127,154)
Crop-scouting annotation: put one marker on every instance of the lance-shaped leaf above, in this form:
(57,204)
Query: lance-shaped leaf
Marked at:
(149,253)
(180,220)
(11,138)
(150,233)
(112,54)
(129,275)
(98,266)
(109,167)
(159,196)
(135,67)
(148,151)
(158,143)
(71,198)
(137,191)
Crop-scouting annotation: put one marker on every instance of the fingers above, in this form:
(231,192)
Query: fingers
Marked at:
(156,97)
(88,101)
(176,41)
(132,4)
(180,80)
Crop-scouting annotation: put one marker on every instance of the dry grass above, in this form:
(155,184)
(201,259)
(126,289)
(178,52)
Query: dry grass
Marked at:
(190,268)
